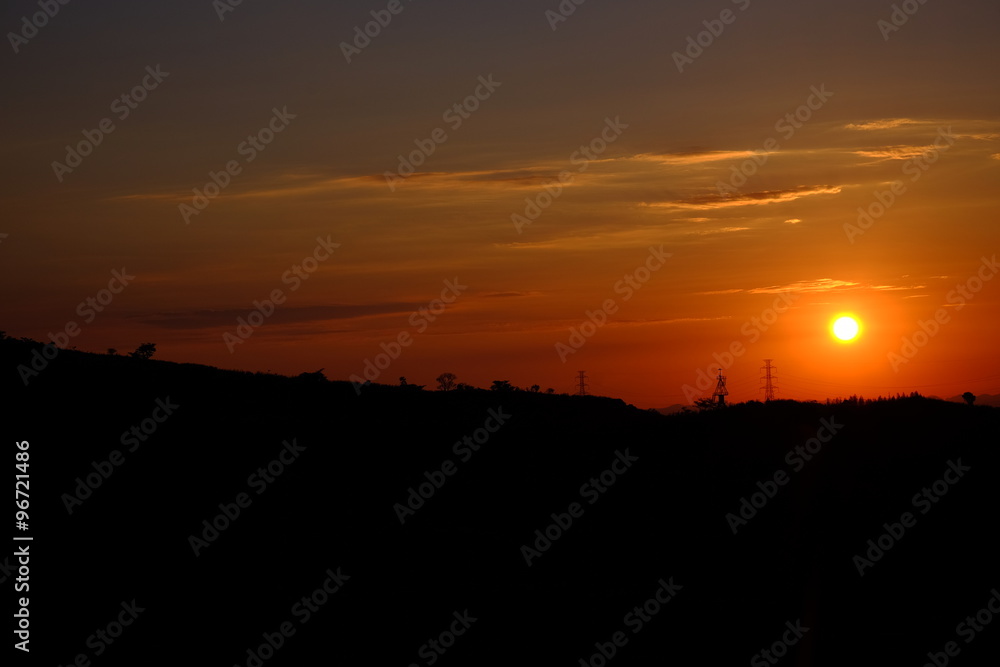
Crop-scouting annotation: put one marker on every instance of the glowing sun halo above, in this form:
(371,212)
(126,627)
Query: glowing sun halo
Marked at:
(846,328)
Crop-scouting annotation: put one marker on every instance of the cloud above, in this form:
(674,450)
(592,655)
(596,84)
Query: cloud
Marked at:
(279,185)
(690,157)
(793,221)
(301,184)
(827,284)
(715,200)
(227,317)
(507,295)
(895,152)
(821,285)
(720,230)
(884,124)
(674,320)
(979,136)
(894,288)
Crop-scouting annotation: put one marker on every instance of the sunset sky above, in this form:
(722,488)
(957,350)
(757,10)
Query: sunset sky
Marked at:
(914,109)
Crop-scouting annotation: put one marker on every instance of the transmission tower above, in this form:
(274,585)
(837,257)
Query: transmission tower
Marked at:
(583,384)
(720,391)
(768,378)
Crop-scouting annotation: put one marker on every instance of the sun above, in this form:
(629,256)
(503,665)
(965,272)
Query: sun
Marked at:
(846,328)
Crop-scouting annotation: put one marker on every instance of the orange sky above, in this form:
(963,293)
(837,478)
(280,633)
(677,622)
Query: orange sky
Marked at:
(918,109)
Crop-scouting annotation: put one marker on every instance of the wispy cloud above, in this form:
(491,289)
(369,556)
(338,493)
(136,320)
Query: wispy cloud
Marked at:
(690,157)
(716,200)
(894,152)
(883,124)
(821,285)
(306,184)
(509,295)
(718,230)
(227,317)
(815,286)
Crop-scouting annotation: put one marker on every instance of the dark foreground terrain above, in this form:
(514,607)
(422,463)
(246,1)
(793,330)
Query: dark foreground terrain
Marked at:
(643,501)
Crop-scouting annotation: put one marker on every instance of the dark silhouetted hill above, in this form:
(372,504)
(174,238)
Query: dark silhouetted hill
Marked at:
(661,516)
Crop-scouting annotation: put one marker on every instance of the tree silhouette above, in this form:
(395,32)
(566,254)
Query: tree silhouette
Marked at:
(705,404)
(535,389)
(112,350)
(501,385)
(969,397)
(144,351)
(446,381)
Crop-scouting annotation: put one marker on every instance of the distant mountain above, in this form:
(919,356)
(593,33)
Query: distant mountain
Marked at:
(676,407)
